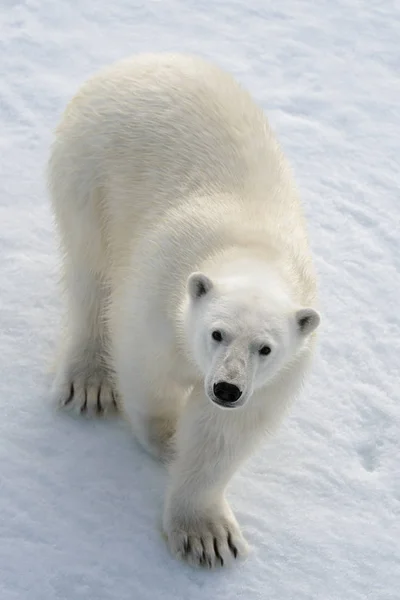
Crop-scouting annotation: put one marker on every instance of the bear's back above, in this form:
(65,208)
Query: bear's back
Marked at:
(180,157)
(171,123)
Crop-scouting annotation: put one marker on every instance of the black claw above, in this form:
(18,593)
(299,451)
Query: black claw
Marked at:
(71,395)
(232,546)
(84,406)
(217,554)
(99,407)
(114,400)
(186,546)
(203,558)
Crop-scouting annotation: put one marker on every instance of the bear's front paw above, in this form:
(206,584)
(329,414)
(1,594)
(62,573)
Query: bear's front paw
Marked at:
(87,390)
(206,540)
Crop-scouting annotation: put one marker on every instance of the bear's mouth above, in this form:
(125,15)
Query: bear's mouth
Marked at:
(224,404)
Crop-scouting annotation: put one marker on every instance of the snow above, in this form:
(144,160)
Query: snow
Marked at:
(80,503)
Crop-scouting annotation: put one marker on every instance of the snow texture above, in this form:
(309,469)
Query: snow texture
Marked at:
(80,503)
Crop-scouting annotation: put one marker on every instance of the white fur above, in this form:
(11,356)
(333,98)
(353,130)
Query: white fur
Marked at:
(178,216)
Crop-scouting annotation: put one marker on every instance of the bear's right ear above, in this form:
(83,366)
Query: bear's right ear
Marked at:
(308,320)
(199,285)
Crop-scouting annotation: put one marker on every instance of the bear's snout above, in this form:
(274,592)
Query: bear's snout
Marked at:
(226,393)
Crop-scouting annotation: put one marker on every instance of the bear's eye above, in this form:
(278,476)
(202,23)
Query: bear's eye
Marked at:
(217,336)
(264,351)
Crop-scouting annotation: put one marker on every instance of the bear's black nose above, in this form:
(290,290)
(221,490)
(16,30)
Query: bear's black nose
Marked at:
(226,392)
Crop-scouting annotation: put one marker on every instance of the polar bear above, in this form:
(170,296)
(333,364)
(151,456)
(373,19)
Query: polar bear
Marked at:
(189,280)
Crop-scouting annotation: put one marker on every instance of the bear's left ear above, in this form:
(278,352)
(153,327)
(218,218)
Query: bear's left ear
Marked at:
(307,320)
(198,285)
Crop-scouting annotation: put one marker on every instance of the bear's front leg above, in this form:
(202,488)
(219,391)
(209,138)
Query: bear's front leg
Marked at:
(211,443)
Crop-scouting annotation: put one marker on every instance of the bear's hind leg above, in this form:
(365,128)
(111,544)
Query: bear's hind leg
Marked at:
(156,434)
(152,402)
(154,416)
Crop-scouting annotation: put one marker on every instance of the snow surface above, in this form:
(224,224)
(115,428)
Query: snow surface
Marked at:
(80,503)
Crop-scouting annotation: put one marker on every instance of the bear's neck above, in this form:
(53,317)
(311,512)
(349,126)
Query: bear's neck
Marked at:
(254,265)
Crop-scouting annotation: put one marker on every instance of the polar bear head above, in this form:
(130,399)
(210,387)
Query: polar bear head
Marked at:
(242,334)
